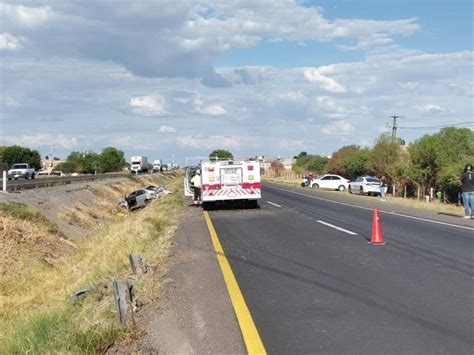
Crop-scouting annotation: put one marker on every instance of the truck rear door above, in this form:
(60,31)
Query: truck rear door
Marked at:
(231,176)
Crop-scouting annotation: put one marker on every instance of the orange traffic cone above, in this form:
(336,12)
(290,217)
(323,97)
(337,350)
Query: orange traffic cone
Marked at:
(377,238)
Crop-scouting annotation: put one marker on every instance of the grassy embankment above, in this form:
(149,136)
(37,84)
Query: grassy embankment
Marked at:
(435,206)
(36,282)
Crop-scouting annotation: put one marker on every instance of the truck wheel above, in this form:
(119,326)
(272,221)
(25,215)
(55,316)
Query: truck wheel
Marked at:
(33,176)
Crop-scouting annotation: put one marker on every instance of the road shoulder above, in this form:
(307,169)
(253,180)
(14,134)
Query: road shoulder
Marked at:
(194,314)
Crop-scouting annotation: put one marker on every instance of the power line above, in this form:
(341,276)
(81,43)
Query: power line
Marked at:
(467,124)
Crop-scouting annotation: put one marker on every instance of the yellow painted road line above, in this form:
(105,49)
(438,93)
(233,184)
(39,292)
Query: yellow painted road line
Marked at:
(247,326)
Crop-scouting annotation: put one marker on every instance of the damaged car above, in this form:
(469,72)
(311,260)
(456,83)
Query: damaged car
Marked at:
(137,199)
(154,192)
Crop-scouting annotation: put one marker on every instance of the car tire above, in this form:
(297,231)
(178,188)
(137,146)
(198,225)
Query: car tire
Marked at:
(341,188)
(315,186)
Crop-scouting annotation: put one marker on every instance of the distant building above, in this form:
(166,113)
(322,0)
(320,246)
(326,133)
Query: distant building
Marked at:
(287,162)
(264,164)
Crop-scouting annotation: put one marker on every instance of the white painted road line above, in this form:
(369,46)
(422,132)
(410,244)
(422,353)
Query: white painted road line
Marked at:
(371,209)
(274,204)
(338,228)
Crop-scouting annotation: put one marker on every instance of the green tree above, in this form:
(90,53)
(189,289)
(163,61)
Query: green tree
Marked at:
(310,163)
(221,154)
(388,158)
(16,154)
(302,154)
(349,161)
(79,162)
(111,159)
(437,159)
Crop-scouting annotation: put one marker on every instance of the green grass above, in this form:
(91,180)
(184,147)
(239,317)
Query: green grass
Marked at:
(60,332)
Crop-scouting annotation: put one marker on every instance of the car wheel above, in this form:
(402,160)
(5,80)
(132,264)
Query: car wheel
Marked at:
(361,190)
(315,186)
(341,188)
(350,190)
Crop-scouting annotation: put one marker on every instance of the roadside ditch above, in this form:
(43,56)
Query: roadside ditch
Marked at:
(58,240)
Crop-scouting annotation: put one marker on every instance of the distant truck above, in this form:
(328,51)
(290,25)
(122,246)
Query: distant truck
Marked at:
(139,164)
(21,170)
(157,165)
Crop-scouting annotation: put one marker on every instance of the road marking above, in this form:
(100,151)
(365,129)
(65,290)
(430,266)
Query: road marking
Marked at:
(247,326)
(336,227)
(371,209)
(273,204)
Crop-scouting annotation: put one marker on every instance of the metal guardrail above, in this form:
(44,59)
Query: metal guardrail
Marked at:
(14,185)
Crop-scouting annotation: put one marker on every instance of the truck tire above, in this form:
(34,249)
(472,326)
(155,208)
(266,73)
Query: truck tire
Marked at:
(33,176)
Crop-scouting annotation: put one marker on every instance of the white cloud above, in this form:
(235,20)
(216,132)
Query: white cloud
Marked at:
(36,140)
(147,106)
(213,110)
(328,104)
(26,15)
(214,142)
(194,34)
(329,84)
(430,108)
(167,129)
(9,42)
(338,128)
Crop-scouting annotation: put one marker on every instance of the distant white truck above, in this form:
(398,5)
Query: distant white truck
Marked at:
(139,164)
(157,165)
(22,170)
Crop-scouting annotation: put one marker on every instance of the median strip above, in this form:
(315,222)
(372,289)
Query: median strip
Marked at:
(336,227)
(249,331)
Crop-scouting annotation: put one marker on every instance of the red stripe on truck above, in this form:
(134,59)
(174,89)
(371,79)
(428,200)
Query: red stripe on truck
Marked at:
(251,185)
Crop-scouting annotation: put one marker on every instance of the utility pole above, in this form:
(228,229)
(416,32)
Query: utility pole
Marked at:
(394,127)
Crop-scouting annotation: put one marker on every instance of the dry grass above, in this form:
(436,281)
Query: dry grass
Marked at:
(34,309)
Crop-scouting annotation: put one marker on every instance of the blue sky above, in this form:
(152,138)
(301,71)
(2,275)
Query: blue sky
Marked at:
(165,78)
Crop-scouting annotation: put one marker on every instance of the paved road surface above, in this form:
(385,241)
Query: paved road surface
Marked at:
(312,288)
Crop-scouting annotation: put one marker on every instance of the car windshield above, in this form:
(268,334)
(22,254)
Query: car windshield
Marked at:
(372,179)
(20,166)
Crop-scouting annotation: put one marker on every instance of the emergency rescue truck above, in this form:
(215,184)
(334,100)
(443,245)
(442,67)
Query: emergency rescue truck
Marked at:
(227,180)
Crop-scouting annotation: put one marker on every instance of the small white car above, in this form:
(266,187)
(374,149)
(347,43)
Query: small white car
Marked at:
(365,185)
(329,181)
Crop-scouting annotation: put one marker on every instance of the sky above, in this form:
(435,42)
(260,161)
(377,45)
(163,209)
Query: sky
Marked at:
(176,79)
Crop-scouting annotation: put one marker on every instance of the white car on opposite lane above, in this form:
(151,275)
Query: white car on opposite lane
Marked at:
(329,181)
(365,185)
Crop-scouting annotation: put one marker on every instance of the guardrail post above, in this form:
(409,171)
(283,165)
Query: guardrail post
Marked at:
(4,182)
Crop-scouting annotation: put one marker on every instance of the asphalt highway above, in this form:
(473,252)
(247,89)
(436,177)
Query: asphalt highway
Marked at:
(314,285)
